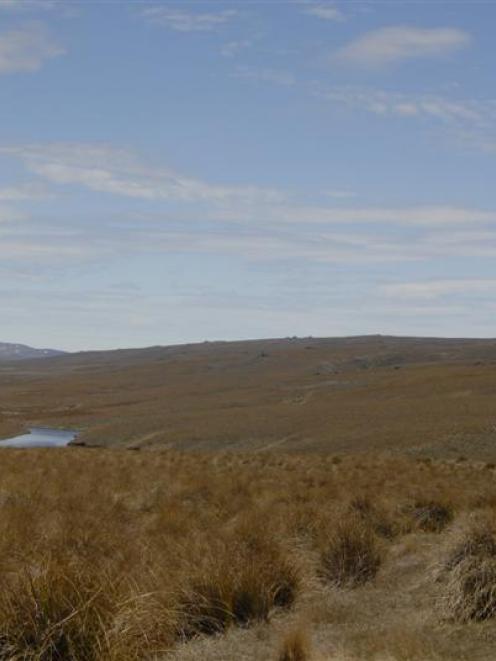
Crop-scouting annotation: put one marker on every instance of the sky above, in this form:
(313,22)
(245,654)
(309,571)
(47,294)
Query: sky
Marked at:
(176,172)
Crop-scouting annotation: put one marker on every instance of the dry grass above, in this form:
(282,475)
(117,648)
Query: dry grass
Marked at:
(350,556)
(295,647)
(470,575)
(256,580)
(123,556)
(325,395)
(431,516)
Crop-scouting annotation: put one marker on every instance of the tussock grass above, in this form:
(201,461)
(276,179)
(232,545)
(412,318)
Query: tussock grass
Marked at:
(376,516)
(120,556)
(350,556)
(470,576)
(238,585)
(56,612)
(431,516)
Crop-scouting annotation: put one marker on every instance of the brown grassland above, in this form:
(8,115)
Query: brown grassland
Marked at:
(302,500)
(110,554)
(424,397)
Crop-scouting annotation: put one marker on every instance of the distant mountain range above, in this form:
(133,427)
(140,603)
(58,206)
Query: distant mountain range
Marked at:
(23,352)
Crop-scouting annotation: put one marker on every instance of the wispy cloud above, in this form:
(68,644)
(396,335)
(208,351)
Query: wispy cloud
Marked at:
(105,169)
(9,215)
(340,194)
(242,222)
(57,242)
(62,8)
(274,76)
(381,102)
(233,48)
(188,21)
(24,5)
(434,289)
(396,44)
(325,11)
(22,192)
(415,216)
(26,49)
(467,122)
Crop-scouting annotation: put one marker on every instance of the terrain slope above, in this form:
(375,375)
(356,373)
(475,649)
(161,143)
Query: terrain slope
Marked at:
(9,351)
(428,397)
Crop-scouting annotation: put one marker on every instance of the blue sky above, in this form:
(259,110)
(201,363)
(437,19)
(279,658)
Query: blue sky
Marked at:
(181,171)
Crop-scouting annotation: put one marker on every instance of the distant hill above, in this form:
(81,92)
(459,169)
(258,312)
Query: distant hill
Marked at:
(23,352)
(422,396)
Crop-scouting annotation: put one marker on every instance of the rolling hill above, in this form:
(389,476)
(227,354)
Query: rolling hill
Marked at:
(9,351)
(365,394)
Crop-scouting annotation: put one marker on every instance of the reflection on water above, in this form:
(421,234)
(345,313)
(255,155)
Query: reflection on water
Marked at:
(40,437)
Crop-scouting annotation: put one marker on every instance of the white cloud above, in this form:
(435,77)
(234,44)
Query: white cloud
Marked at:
(9,215)
(40,250)
(482,140)
(187,21)
(433,289)
(26,49)
(381,102)
(277,77)
(270,242)
(22,192)
(260,238)
(391,45)
(63,8)
(340,194)
(232,48)
(104,169)
(467,122)
(326,12)
(23,5)
(416,216)
(248,222)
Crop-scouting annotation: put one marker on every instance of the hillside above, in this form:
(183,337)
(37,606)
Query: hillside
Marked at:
(419,396)
(9,352)
(337,500)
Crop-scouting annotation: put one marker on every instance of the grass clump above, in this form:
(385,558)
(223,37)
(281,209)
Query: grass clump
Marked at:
(61,610)
(50,614)
(376,517)
(243,584)
(120,556)
(431,516)
(470,573)
(350,556)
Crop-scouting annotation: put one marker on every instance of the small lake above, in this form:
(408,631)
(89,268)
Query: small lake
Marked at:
(40,437)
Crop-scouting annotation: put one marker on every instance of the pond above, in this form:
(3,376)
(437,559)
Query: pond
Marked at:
(40,437)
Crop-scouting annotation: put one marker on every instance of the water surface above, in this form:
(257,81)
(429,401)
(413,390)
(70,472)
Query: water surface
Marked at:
(40,437)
